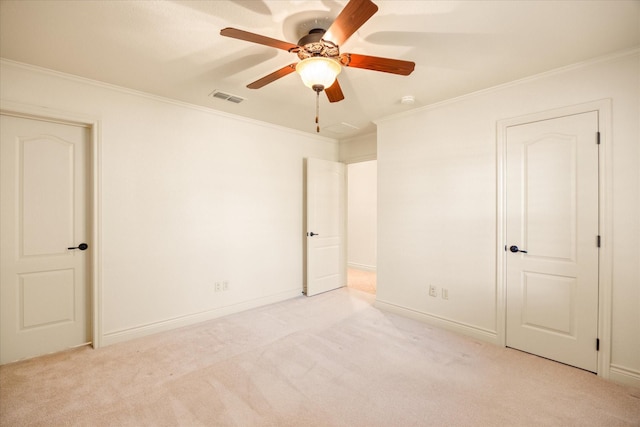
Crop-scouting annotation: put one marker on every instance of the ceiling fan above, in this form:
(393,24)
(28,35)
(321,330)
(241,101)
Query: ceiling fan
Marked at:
(319,53)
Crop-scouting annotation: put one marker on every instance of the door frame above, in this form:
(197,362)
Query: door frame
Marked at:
(10,108)
(605,221)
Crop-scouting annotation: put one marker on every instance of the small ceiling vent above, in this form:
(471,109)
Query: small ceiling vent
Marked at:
(226,96)
(341,128)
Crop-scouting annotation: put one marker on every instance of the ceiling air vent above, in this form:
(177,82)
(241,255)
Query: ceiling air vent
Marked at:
(227,96)
(341,128)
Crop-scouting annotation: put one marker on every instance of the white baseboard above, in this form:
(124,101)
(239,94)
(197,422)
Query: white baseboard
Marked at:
(442,322)
(363,267)
(625,376)
(191,319)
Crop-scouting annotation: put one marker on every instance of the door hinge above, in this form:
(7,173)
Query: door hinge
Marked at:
(597,344)
(598,138)
(598,241)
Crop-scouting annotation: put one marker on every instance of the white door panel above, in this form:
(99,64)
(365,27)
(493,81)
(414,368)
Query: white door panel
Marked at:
(43,190)
(547,303)
(552,214)
(326,262)
(549,184)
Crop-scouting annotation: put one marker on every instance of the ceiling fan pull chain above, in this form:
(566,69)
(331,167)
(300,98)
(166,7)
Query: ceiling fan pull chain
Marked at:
(318,111)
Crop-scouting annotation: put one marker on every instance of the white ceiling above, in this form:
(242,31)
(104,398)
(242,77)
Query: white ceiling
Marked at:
(174,49)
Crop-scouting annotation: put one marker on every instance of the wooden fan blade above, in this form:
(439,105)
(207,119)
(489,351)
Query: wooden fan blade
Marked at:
(272,77)
(354,14)
(234,33)
(334,92)
(386,65)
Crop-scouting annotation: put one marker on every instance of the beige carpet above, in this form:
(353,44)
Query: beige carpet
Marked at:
(361,280)
(329,360)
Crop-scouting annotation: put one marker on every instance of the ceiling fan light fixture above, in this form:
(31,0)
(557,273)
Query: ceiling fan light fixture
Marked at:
(318,71)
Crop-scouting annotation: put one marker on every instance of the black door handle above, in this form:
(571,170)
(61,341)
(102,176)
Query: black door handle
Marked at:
(515,249)
(313,234)
(81,246)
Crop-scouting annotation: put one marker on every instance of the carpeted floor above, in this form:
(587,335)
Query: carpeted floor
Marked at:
(361,280)
(328,360)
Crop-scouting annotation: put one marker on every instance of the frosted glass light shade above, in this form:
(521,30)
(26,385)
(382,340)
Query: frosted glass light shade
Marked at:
(318,70)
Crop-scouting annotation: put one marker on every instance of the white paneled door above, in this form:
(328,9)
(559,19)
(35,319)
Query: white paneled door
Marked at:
(552,239)
(44,298)
(326,211)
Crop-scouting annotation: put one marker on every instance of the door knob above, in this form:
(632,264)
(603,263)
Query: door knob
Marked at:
(81,246)
(515,249)
(313,234)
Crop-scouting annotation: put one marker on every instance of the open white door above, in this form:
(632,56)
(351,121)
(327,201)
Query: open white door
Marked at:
(44,231)
(552,239)
(326,249)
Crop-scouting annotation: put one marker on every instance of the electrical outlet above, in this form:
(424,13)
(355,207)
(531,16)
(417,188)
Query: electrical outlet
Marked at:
(225,285)
(433,291)
(217,287)
(445,293)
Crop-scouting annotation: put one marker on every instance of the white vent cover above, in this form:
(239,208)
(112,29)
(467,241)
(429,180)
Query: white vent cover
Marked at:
(226,96)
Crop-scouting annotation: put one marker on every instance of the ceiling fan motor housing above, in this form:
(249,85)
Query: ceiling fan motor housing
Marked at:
(314,45)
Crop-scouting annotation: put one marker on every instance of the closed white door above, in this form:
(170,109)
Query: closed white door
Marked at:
(552,239)
(326,249)
(44,303)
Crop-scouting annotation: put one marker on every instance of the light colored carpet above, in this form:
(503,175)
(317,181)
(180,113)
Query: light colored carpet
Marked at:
(329,360)
(361,280)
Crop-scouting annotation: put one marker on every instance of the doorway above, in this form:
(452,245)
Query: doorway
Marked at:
(362,222)
(46,185)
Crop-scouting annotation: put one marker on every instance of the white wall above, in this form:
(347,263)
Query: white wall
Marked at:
(189,197)
(438,201)
(362,215)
